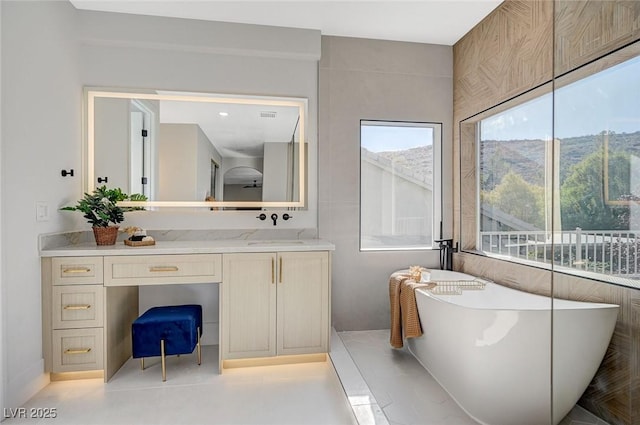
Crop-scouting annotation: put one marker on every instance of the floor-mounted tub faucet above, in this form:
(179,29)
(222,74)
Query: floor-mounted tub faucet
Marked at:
(446,253)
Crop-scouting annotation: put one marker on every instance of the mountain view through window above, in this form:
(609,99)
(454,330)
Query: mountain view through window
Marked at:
(559,176)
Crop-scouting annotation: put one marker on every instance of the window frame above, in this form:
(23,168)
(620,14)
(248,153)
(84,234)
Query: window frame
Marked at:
(470,243)
(436,196)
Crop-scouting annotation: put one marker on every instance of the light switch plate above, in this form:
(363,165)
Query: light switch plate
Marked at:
(42,211)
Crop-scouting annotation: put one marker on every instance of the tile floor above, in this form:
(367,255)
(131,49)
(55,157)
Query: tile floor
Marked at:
(376,386)
(398,389)
(294,394)
(402,388)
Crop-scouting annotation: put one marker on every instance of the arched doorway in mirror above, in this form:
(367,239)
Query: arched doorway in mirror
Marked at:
(242,184)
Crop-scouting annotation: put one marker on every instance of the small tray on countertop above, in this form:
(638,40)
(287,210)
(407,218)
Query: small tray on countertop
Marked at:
(139,243)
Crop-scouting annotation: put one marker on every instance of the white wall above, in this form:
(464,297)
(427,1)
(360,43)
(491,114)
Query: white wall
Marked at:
(276,169)
(41,133)
(3,320)
(49,52)
(373,80)
(133,51)
(112,142)
(177,147)
(206,153)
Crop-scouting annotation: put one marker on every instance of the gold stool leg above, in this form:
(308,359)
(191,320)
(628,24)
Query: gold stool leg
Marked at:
(142,362)
(199,350)
(164,366)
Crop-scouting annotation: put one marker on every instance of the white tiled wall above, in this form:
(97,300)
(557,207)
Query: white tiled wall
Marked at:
(373,80)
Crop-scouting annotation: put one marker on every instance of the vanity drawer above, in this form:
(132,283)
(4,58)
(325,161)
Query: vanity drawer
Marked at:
(76,270)
(77,349)
(78,306)
(163,269)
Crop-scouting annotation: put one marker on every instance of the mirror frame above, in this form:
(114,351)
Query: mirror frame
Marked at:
(91,94)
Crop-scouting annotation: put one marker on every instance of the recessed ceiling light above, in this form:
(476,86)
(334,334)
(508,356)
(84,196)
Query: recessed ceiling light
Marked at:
(223,114)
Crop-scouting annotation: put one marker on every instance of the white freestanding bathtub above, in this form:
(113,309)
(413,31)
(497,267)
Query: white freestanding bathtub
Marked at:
(491,350)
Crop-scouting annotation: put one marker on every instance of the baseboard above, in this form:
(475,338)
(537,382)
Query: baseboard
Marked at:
(24,386)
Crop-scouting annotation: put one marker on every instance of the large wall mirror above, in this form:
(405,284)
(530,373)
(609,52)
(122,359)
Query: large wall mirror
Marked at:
(197,149)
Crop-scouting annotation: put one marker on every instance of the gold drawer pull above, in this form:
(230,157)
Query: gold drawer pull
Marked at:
(77,307)
(76,270)
(163,269)
(77,351)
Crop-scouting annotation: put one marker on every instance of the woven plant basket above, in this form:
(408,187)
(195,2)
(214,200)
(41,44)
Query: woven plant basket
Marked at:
(106,235)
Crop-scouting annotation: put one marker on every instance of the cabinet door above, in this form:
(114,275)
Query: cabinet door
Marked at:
(303,302)
(248,322)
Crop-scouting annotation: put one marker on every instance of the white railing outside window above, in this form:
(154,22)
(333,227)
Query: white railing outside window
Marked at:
(613,253)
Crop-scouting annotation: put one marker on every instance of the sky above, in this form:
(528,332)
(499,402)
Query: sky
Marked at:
(608,100)
(379,138)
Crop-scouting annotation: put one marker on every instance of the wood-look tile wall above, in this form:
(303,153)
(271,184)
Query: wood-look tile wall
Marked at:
(506,54)
(509,53)
(585,30)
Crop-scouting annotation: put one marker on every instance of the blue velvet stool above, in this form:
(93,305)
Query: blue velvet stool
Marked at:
(167,330)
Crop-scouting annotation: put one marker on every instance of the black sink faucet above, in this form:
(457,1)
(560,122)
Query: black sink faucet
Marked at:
(274,217)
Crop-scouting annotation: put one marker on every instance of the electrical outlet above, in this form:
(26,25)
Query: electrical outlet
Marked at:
(42,211)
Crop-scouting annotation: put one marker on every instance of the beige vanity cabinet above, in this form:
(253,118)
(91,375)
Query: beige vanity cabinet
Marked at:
(73,314)
(302,303)
(274,304)
(248,305)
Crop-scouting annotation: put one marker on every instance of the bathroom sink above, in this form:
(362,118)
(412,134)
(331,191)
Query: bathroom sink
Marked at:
(296,242)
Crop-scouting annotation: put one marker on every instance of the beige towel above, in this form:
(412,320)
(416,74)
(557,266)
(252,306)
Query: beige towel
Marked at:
(404,311)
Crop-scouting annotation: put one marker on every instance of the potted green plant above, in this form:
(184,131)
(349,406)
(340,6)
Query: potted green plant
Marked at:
(101,210)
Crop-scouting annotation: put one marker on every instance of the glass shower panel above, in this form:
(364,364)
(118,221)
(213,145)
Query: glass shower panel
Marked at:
(514,162)
(597,133)
(596,204)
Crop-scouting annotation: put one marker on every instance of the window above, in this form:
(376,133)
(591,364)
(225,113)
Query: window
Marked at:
(515,152)
(400,193)
(571,200)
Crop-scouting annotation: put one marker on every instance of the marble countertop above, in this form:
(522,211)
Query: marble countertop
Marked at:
(190,247)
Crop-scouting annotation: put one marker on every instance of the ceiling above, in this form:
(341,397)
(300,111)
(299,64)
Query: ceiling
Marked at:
(422,21)
(242,131)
